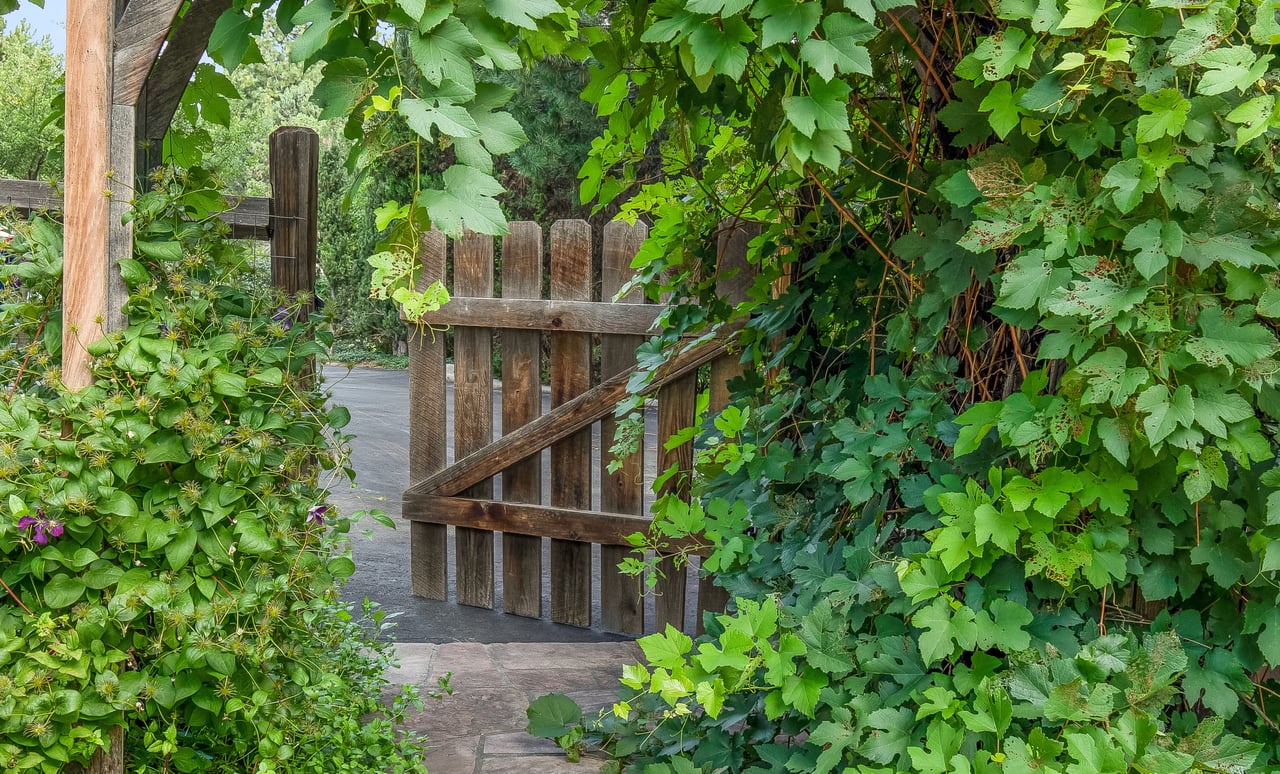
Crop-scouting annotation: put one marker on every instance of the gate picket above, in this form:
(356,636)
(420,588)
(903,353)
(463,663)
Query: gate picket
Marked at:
(571,458)
(473,411)
(428,543)
(621,492)
(521,404)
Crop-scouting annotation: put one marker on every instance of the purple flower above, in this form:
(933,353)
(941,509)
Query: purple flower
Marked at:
(315,515)
(282,315)
(44,527)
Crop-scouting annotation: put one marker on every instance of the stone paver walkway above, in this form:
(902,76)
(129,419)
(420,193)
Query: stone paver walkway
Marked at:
(480,728)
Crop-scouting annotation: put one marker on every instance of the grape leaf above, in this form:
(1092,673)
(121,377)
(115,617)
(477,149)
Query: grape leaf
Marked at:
(466,203)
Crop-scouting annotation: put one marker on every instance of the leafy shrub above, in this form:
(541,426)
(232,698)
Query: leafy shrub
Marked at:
(169,560)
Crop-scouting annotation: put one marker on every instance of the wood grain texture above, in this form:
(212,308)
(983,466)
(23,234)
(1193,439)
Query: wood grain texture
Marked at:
(521,404)
(621,596)
(249,217)
(294,163)
(90,25)
(473,413)
(553,315)
(139,34)
(172,72)
(428,454)
(568,524)
(571,457)
(735,278)
(561,422)
(677,403)
(120,237)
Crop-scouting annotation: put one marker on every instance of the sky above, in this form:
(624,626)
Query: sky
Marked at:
(50,20)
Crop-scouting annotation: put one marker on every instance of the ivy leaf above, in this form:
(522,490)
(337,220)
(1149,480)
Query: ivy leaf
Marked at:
(841,50)
(1226,342)
(466,203)
(342,84)
(424,117)
(1252,117)
(446,53)
(719,49)
(1028,279)
(1003,627)
(1166,115)
(1233,67)
(786,20)
(1132,181)
(1082,13)
(944,632)
(1000,528)
(666,649)
(1155,240)
(801,691)
(824,108)
(889,734)
(1165,412)
(1003,106)
(523,13)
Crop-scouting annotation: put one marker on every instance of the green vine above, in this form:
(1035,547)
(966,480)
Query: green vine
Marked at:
(170,561)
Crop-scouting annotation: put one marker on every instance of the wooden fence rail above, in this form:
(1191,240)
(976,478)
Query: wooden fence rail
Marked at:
(461,495)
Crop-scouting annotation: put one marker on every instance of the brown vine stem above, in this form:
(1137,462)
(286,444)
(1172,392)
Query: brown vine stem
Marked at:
(16,599)
(926,61)
(1017,349)
(848,216)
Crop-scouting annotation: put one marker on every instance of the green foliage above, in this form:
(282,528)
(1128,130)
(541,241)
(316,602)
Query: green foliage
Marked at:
(170,562)
(30,146)
(999,494)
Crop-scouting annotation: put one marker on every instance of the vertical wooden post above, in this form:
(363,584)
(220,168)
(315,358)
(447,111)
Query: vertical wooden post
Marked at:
(90,24)
(622,492)
(86,240)
(473,411)
(521,404)
(428,451)
(571,458)
(294,160)
(734,279)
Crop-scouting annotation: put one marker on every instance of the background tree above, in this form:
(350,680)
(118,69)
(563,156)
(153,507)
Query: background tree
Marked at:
(30,147)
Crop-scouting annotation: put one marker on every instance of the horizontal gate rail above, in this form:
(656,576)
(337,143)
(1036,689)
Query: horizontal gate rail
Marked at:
(558,424)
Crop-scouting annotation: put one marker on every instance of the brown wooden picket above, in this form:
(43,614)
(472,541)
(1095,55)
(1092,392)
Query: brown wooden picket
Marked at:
(462,494)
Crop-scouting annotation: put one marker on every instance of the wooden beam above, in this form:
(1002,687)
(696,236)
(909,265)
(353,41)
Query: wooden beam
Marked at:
(140,33)
(295,164)
(172,71)
(554,315)
(604,528)
(559,423)
(250,218)
(30,195)
(90,24)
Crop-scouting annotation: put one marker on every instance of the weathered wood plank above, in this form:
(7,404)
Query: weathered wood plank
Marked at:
(677,403)
(139,34)
(30,196)
(90,25)
(250,218)
(428,454)
(172,72)
(553,315)
(560,422)
(473,413)
(621,596)
(521,404)
(735,277)
(571,457)
(570,524)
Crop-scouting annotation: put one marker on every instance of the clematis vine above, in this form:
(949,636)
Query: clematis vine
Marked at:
(315,514)
(41,526)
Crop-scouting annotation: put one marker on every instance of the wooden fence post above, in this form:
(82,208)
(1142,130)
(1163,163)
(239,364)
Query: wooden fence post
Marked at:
(294,170)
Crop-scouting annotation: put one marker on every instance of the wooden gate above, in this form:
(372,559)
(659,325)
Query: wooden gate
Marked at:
(461,494)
